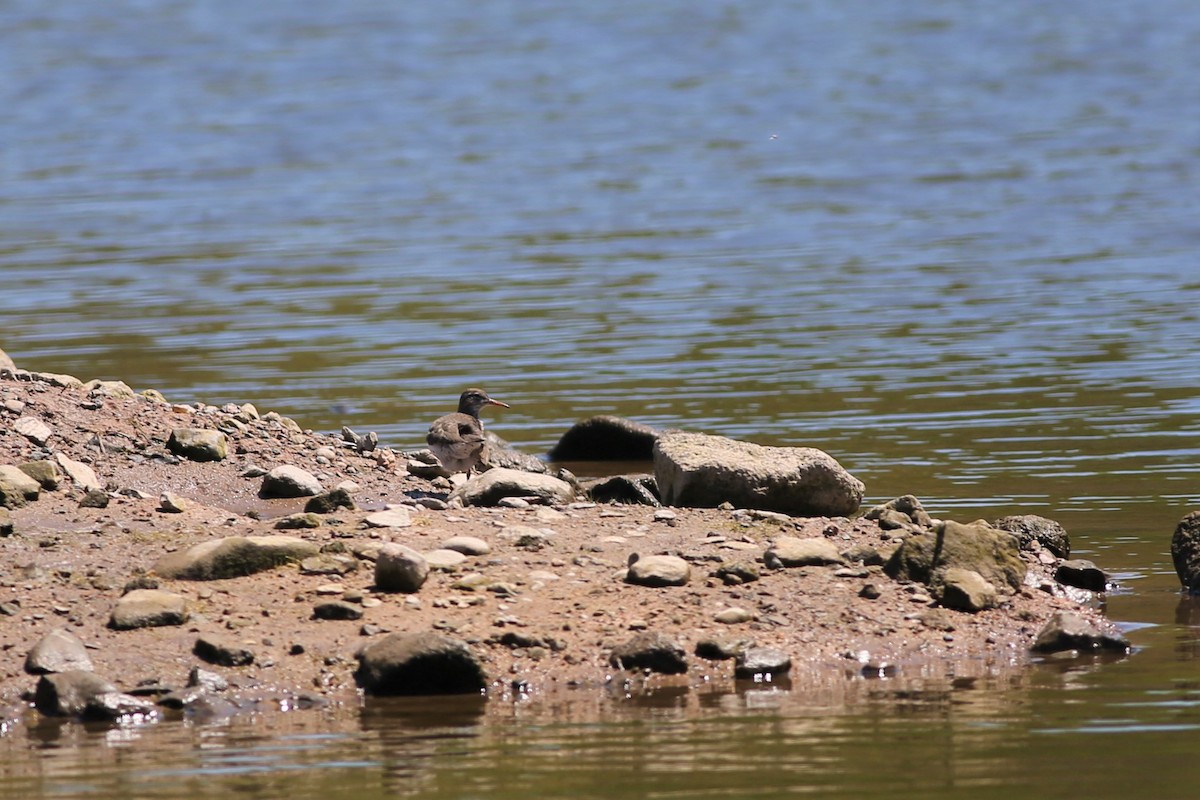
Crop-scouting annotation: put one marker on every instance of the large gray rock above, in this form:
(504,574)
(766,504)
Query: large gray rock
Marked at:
(659,571)
(148,608)
(234,557)
(57,651)
(606,438)
(495,484)
(792,551)
(399,568)
(1067,630)
(16,488)
(289,481)
(652,651)
(1185,552)
(1032,530)
(925,557)
(197,444)
(694,469)
(419,664)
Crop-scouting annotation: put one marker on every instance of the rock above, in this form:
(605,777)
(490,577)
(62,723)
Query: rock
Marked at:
(295,522)
(289,481)
(33,429)
(337,610)
(966,590)
(148,608)
(399,568)
(790,551)
(6,361)
(196,444)
(733,616)
(6,523)
(1082,574)
(1067,630)
(328,502)
(171,503)
(625,489)
(694,469)
(95,498)
(992,553)
(16,488)
(902,512)
(99,388)
(58,379)
(498,453)
(657,571)
(606,438)
(79,693)
(721,649)
(44,472)
(757,663)
(1032,530)
(651,651)
(734,573)
(467,545)
(81,474)
(233,557)
(1185,552)
(329,564)
(487,489)
(57,651)
(419,664)
(444,559)
(222,652)
(389,518)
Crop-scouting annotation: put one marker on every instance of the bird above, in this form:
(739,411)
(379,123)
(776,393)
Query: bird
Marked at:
(457,439)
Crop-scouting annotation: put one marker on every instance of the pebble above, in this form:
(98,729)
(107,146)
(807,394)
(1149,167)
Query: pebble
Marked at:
(512,502)
(330,588)
(733,616)
(171,503)
(467,545)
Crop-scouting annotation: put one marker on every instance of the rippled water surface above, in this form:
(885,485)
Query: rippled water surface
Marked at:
(952,243)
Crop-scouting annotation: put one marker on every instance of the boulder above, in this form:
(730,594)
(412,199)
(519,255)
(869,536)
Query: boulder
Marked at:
(658,571)
(792,551)
(419,664)
(606,438)
(289,481)
(1185,552)
(399,568)
(627,489)
(490,487)
(233,557)
(1067,630)
(966,590)
(57,651)
(924,557)
(651,651)
(1032,530)
(196,444)
(16,488)
(81,474)
(694,469)
(148,608)
(1082,574)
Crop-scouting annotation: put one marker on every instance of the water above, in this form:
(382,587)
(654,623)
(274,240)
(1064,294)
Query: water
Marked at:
(951,243)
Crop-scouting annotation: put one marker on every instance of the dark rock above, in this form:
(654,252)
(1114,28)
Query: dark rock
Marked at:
(965,590)
(658,571)
(289,481)
(79,693)
(902,512)
(95,498)
(148,608)
(233,557)
(991,553)
(694,469)
(1069,631)
(495,484)
(1185,552)
(419,664)
(57,651)
(606,438)
(1082,574)
(328,502)
(651,651)
(221,652)
(734,573)
(720,649)
(1032,530)
(498,453)
(759,662)
(626,489)
(337,610)
(399,568)
(196,444)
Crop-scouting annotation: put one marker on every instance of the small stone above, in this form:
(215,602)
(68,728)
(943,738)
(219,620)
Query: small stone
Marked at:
(399,568)
(733,616)
(794,552)
(444,559)
(328,502)
(223,653)
(870,591)
(95,498)
(735,573)
(721,649)
(512,502)
(467,545)
(391,518)
(1082,574)
(304,521)
(337,610)
(289,481)
(81,474)
(966,590)
(650,651)
(329,564)
(57,651)
(33,429)
(148,608)
(419,664)
(171,503)
(658,571)
(16,488)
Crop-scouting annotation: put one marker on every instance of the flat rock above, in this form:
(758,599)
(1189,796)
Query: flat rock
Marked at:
(1082,574)
(289,481)
(966,590)
(102,388)
(57,651)
(16,488)
(33,429)
(755,663)
(389,518)
(792,551)
(222,652)
(399,568)
(80,474)
(467,545)
(148,608)
(1032,530)
(337,610)
(606,438)
(490,487)
(1066,630)
(443,558)
(95,498)
(695,469)
(994,554)
(733,615)
(233,557)
(656,571)
(329,564)
(44,472)
(419,664)
(652,651)
(295,522)
(197,444)
(1185,552)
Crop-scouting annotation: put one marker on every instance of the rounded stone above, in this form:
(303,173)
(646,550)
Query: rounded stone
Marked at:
(657,571)
(399,568)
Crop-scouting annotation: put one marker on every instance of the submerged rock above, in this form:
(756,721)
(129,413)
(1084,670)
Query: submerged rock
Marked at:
(694,469)
(1069,631)
(78,693)
(1185,552)
(419,664)
(606,438)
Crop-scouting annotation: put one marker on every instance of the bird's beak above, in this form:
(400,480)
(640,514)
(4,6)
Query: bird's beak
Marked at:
(492,402)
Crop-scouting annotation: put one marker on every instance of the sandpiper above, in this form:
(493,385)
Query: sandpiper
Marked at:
(457,439)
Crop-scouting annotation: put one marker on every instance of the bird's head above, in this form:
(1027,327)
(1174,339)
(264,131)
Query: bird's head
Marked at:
(473,400)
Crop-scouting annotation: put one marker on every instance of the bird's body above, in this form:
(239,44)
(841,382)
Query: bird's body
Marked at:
(457,439)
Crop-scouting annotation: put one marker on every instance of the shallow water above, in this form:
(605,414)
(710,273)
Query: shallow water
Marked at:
(953,245)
